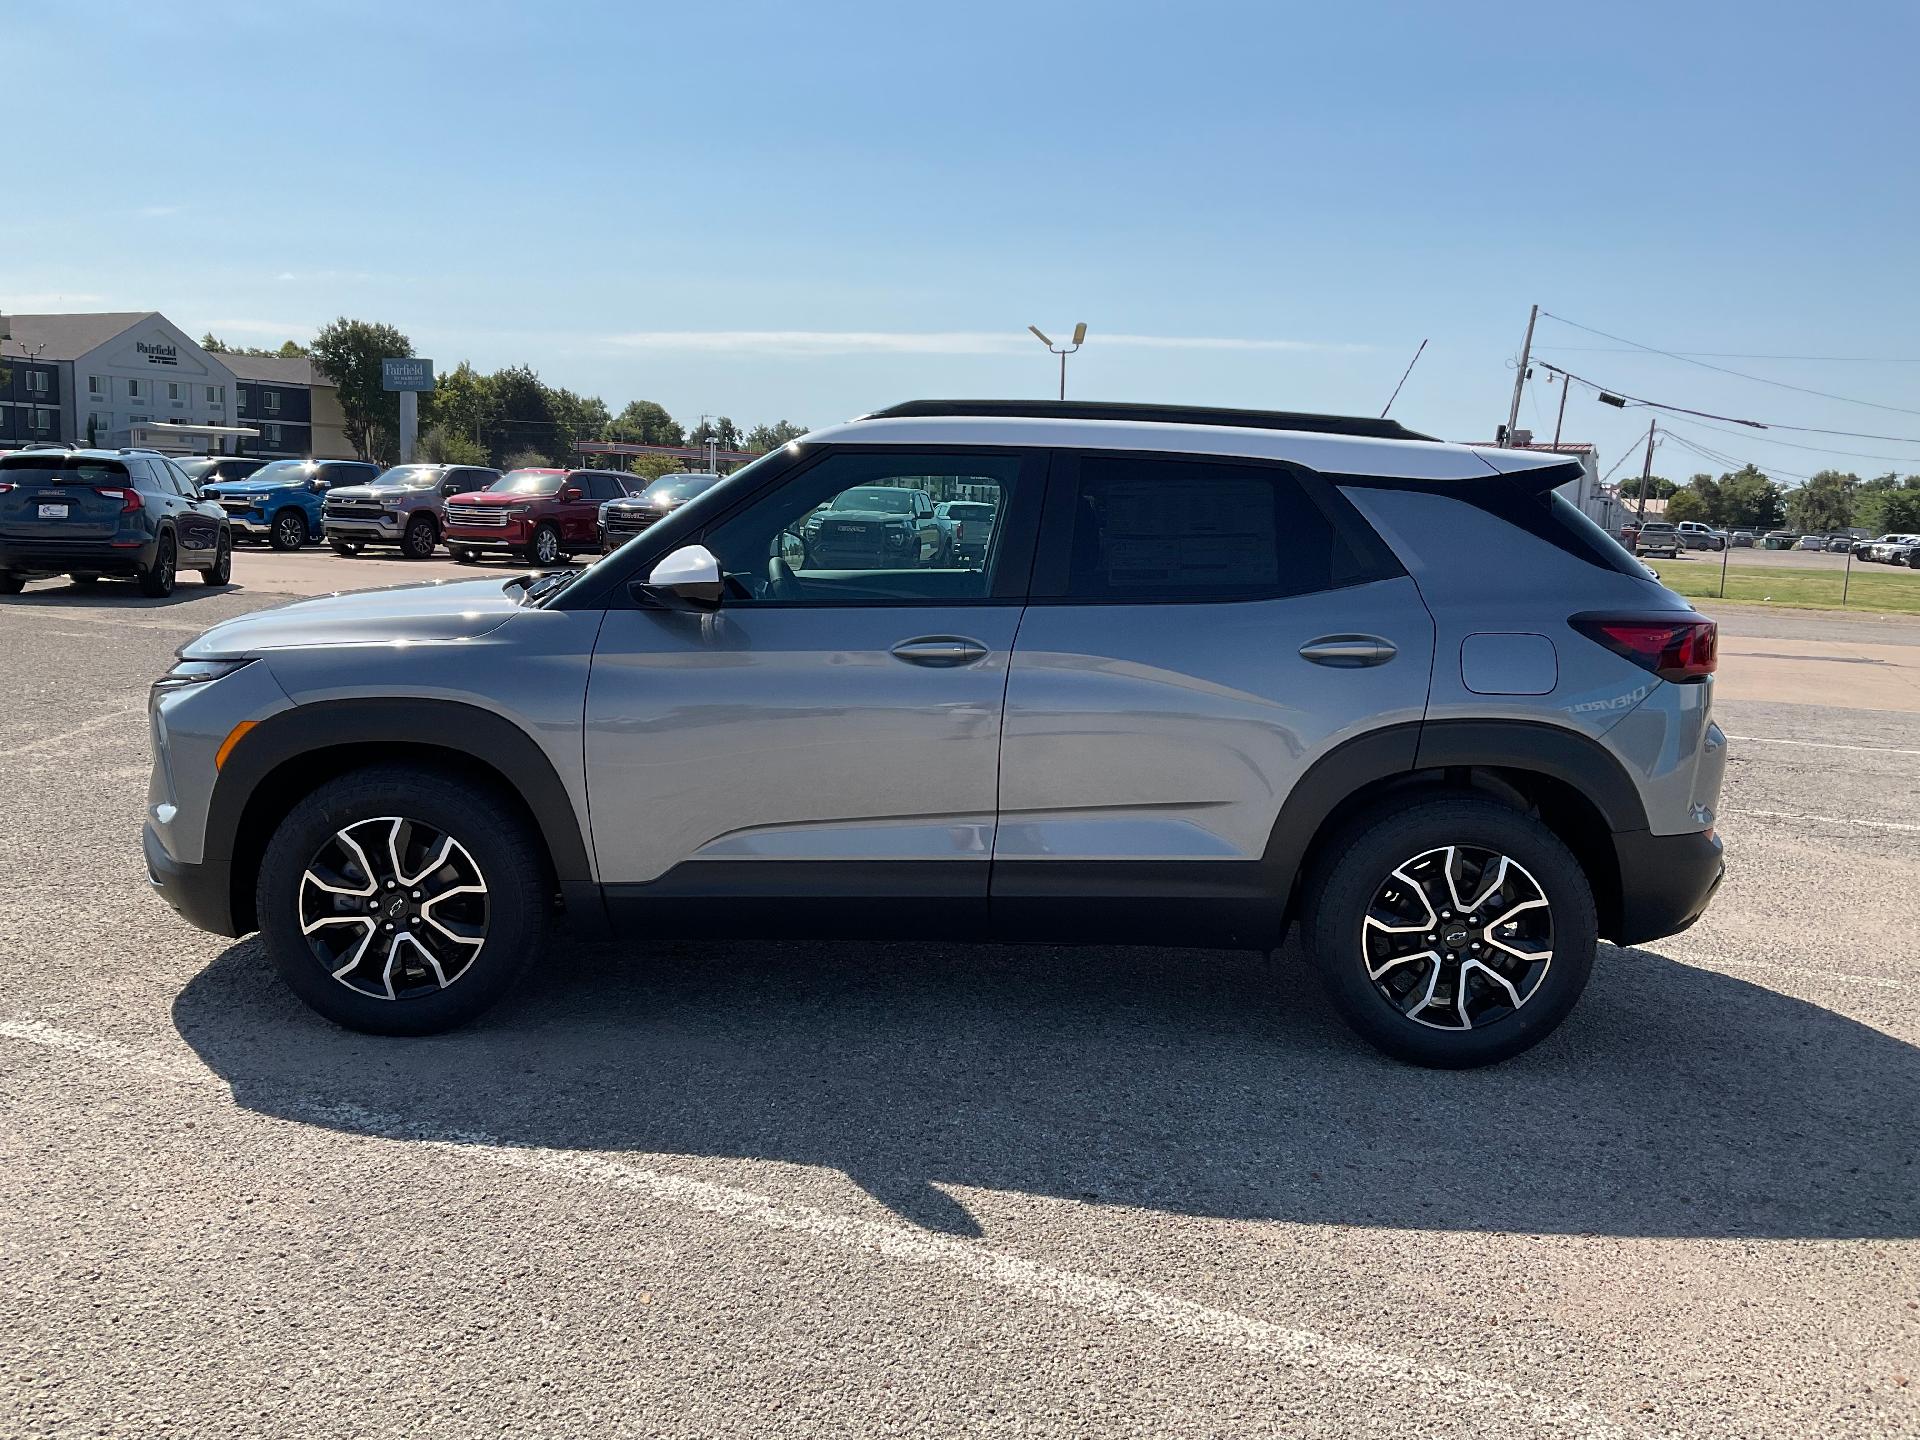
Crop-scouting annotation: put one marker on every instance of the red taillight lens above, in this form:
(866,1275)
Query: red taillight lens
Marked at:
(5,485)
(129,498)
(1672,648)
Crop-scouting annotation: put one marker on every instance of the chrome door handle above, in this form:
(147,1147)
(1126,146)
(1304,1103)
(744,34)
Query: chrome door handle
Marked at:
(940,651)
(1349,652)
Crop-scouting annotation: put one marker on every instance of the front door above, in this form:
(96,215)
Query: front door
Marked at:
(1199,633)
(832,731)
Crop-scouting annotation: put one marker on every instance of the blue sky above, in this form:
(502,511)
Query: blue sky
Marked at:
(806,211)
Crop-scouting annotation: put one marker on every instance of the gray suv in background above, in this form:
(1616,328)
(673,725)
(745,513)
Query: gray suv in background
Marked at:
(401,507)
(1214,675)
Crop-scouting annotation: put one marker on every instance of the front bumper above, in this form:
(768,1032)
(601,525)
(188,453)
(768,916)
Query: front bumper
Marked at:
(203,893)
(511,536)
(1666,882)
(365,527)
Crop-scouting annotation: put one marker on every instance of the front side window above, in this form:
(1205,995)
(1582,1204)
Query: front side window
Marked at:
(1158,530)
(858,528)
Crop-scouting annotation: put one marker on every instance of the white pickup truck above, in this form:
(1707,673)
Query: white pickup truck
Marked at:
(1698,536)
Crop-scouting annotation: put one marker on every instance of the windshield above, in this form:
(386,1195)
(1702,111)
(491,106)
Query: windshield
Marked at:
(890,502)
(672,489)
(198,469)
(528,482)
(409,477)
(282,472)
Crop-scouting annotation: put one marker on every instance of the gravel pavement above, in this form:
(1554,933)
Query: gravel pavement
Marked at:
(808,1189)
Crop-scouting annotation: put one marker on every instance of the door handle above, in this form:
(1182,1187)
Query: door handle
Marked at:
(940,651)
(1349,652)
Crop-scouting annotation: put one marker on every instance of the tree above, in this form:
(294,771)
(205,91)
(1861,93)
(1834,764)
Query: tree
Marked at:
(719,428)
(441,446)
(645,423)
(1687,505)
(1882,504)
(654,466)
(1749,499)
(1707,490)
(289,350)
(350,352)
(524,460)
(521,419)
(460,403)
(575,418)
(772,437)
(1824,503)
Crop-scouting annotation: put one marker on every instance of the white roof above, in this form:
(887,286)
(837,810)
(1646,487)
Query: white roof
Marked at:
(1330,454)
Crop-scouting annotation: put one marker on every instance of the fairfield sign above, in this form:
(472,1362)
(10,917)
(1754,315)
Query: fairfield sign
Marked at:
(158,354)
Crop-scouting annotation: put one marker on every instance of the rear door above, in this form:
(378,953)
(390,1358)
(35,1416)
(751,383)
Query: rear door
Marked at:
(1200,633)
(62,497)
(196,522)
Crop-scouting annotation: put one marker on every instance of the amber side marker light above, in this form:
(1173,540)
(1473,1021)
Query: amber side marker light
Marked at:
(233,739)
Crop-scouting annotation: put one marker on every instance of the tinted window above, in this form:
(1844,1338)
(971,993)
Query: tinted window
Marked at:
(604,487)
(845,531)
(1160,530)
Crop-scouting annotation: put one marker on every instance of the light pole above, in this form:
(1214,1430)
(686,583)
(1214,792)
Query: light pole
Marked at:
(1079,339)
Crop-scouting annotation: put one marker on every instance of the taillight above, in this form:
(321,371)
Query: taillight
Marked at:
(1673,648)
(5,486)
(129,498)
(959,529)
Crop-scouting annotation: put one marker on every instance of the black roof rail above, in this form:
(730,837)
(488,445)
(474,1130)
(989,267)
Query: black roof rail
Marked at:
(1368,426)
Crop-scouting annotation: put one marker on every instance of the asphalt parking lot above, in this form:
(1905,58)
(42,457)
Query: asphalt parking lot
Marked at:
(809,1189)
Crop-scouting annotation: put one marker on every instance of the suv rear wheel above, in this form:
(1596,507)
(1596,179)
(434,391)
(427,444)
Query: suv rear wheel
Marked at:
(1454,932)
(156,580)
(221,571)
(401,902)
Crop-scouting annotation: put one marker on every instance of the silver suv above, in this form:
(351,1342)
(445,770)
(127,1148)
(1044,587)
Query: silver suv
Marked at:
(1215,674)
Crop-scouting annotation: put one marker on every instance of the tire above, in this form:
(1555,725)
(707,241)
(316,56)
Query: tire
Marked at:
(545,549)
(156,582)
(221,572)
(289,530)
(1378,978)
(491,846)
(348,548)
(465,557)
(11,584)
(421,538)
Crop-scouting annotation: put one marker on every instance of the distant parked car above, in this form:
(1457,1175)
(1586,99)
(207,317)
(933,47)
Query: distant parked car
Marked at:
(401,507)
(1697,536)
(1882,550)
(1777,540)
(206,470)
(90,513)
(1741,539)
(629,515)
(1656,537)
(281,502)
(538,515)
(1811,542)
(875,525)
(1901,550)
(973,522)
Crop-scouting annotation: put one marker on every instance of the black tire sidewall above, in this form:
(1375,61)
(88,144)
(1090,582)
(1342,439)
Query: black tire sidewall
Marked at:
(420,524)
(1359,860)
(280,521)
(492,833)
(158,582)
(222,570)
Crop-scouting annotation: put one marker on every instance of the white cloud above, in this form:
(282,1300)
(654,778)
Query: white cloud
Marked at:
(925,342)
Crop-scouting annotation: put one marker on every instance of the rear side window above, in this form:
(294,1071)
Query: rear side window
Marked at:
(1159,530)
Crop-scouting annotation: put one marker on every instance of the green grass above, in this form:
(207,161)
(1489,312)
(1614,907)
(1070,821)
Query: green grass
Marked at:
(1876,587)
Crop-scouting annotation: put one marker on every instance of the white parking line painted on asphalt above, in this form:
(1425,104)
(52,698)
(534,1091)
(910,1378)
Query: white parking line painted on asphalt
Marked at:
(1340,1360)
(1823,819)
(1818,744)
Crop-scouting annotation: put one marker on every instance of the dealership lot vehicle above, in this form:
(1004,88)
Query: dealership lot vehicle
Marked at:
(1697,536)
(1742,539)
(282,502)
(1452,836)
(1886,549)
(1777,540)
(1657,538)
(874,525)
(205,470)
(1811,542)
(540,516)
(401,507)
(97,513)
(972,528)
(623,518)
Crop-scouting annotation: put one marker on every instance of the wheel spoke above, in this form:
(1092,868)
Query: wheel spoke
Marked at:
(1378,971)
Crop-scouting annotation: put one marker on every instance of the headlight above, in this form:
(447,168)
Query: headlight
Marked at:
(197,672)
(257,499)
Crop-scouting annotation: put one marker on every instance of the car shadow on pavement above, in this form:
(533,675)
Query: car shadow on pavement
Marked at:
(1676,1101)
(118,595)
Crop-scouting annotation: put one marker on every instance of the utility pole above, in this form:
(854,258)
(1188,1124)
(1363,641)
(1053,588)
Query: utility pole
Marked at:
(1557,424)
(1646,473)
(1520,376)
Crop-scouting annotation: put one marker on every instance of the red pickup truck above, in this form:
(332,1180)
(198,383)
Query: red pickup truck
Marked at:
(539,516)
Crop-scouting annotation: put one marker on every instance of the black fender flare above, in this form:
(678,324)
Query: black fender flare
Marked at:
(447,725)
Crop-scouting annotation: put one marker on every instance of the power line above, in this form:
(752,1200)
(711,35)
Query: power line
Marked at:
(1815,449)
(1732,462)
(1735,354)
(1723,370)
(1730,419)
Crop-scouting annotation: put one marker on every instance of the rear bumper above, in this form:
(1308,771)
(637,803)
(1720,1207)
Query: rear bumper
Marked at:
(203,893)
(27,558)
(1666,882)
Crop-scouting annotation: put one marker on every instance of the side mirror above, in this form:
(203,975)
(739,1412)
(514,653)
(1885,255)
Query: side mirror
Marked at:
(572,492)
(320,487)
(687,579)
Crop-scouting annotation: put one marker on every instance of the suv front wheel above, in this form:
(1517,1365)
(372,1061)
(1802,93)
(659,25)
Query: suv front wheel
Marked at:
(400,901)
(1454,932)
